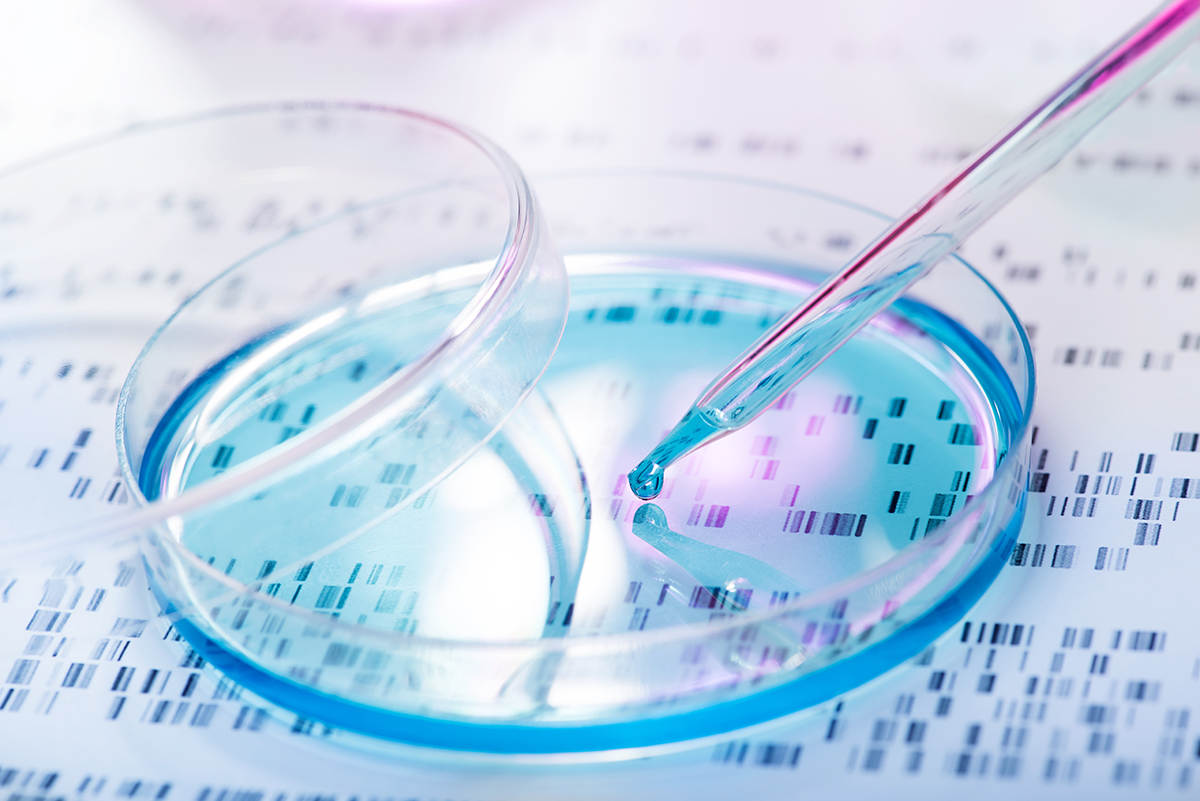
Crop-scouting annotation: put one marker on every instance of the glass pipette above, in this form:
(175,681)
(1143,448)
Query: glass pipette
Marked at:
(845,302)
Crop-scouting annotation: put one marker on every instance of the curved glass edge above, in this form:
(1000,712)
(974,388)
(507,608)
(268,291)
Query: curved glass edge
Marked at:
(516,262)
(718,719)
(837,675)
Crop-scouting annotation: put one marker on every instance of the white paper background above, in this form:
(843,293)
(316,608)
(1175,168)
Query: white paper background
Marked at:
(872,101)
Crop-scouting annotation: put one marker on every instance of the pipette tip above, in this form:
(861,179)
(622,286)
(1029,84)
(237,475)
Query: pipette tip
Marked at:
(694,430)
(646,480)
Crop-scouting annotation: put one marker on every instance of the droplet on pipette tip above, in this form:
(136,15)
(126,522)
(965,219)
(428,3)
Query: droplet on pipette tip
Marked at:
(646,480)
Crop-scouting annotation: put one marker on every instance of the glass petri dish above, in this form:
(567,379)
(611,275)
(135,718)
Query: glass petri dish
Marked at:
(790,562)
(345,225)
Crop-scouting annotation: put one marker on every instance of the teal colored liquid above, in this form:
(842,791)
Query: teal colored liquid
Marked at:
(868,456)
(738,397)
(874,452)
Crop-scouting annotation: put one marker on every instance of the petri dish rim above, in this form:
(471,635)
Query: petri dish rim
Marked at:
(163,509)
(682,632)
(668,729)
(649,730)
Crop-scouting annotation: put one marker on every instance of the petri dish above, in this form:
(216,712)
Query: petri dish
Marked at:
(302,236)
(524,603)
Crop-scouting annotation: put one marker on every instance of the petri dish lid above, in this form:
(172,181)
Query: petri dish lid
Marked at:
(103,240)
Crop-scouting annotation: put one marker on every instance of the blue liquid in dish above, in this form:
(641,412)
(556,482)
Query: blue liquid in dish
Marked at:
(869,456)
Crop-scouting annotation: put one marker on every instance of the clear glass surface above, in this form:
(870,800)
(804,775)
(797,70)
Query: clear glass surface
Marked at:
(790,562)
